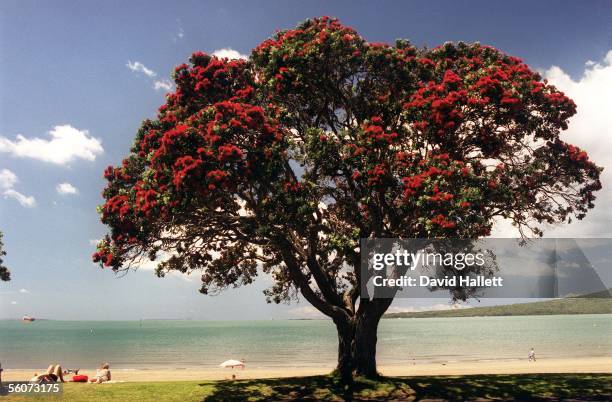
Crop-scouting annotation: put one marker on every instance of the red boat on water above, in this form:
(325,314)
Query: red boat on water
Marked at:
(27,318)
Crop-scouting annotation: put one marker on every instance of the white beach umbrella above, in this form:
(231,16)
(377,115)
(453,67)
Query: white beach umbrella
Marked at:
(232,363)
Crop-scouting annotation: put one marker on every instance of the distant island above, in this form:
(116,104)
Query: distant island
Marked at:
(596,303)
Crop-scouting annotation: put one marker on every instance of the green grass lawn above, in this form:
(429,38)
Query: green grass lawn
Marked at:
(545,387)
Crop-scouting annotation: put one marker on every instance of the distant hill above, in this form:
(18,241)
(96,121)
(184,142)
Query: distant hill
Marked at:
(598,303)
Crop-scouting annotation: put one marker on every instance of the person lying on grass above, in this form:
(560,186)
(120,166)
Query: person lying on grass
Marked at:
(54,372)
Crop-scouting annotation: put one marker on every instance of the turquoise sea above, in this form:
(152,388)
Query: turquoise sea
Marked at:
(292,343)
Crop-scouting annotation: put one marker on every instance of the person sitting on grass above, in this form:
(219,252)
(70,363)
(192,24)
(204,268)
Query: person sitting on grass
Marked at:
(54,372)
(103,374)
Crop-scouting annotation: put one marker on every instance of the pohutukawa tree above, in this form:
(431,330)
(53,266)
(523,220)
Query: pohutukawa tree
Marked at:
(5,274)
(282,162)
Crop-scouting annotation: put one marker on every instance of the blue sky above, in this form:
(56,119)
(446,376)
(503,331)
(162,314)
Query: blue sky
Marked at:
(64,67)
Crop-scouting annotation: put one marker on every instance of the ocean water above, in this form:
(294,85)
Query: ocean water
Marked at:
(293,343)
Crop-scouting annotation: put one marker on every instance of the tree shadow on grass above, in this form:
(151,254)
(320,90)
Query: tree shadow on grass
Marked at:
(314,388)
(527,387)
(531,387)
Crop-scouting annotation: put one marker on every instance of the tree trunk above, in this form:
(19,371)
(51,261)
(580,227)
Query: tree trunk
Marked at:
(346,336)
(357,345)
(364,349)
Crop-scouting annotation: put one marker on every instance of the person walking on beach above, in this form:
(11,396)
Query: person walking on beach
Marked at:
(531,355)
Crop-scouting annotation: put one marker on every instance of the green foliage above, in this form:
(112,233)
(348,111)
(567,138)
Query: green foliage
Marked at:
(5,274)
(281,163)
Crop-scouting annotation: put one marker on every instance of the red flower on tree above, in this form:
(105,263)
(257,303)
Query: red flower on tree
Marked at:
(286,160)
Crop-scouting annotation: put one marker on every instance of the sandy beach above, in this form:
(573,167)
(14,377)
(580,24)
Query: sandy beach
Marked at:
(567,365)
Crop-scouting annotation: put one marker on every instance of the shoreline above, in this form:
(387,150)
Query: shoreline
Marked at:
(560,365)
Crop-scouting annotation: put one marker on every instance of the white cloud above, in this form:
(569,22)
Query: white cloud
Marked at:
(138,67)
(180,34)
(65,145)
(229,54)
(13,302)
(22,290)
(7,181)
(164,84)
(181,276)
(25,201)
(94,242)
(591,130)
(146,265)
(66,188)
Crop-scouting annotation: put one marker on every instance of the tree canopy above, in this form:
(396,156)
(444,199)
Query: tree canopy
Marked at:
(285,160)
